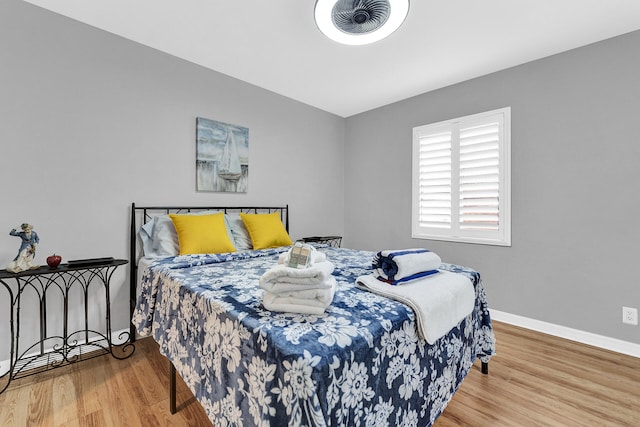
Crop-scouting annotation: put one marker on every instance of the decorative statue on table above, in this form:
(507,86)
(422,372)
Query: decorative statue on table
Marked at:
(24,260)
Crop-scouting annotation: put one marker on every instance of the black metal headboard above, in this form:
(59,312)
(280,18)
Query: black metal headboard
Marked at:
(142,214)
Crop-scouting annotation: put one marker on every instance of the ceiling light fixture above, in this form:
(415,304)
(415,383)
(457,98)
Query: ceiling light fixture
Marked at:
(358,22)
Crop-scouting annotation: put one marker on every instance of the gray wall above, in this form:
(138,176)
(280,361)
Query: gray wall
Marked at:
(90,122)
(575,175)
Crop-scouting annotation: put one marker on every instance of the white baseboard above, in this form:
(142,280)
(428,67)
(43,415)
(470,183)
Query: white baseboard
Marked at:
(4,367)
(588,338)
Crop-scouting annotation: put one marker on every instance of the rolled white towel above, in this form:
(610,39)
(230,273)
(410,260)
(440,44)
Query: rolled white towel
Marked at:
(403,265)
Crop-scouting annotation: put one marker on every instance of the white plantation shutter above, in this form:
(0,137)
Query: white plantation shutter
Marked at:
(435,181)
(479,177)
(461,177)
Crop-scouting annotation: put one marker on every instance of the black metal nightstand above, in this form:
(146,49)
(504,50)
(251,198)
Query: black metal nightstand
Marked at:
(334,241)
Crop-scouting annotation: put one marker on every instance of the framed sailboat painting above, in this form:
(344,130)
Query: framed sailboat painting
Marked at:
(222,156)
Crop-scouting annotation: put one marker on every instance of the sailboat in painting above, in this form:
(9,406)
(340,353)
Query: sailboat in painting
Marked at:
(229,167)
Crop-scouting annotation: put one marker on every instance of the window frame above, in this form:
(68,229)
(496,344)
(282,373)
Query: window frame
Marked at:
(500,237)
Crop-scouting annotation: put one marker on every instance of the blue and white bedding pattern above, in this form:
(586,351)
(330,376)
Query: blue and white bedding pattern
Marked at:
(360,363)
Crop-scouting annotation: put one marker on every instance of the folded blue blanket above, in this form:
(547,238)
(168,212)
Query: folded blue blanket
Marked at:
(400,266)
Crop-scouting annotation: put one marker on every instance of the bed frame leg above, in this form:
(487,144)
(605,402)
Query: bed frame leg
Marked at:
(485,368)
(172,389)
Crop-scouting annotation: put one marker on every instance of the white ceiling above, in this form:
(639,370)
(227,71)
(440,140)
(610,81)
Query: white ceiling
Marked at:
(275,44)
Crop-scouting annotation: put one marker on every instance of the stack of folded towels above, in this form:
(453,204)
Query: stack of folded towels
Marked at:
(308,290)
(439,299)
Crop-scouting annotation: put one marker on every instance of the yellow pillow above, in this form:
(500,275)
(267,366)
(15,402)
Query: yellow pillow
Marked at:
(202,234)
(266,230)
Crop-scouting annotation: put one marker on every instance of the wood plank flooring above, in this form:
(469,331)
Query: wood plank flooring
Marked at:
(534,380)
(540,380)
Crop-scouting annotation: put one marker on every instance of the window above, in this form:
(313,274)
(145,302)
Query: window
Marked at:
(461,179)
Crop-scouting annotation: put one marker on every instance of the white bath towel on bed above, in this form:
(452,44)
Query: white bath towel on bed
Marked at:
(439,301)
(281,278)
(306,301)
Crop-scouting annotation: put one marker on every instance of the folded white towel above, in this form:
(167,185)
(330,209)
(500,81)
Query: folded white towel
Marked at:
(439,301)
(403,265)
(273,303)
(324,295)
(281,278)
(309,301)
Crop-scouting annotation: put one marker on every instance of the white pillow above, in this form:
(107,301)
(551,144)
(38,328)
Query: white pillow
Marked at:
(164,239)
(145,233)
(241,238)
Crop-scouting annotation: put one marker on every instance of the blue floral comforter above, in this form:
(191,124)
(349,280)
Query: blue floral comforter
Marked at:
(359,364)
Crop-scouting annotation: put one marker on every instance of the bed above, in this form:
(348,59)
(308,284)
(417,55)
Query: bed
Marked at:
(360,363)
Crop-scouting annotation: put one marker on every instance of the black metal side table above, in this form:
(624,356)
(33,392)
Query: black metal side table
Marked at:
(51,350)
(334,241)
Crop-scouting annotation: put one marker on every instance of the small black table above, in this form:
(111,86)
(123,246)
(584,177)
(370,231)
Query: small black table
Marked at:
(55,350)
(334,241)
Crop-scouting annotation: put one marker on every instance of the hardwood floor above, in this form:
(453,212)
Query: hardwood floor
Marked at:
(540,380)
(102,392)
(534,380)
